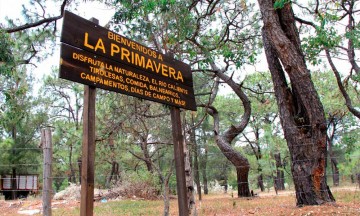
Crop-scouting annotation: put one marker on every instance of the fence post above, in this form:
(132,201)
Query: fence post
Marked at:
(47,181)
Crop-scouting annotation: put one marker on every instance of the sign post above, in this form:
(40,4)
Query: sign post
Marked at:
(88,150)
(179,161)
(99,58)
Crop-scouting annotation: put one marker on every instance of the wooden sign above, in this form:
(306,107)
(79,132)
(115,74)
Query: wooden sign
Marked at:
(96,56)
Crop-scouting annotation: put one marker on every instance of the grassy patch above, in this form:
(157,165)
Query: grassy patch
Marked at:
(347,203)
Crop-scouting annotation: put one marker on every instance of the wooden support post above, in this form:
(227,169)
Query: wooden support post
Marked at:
(179,161)
(46,143)
(88,150)
(88,153)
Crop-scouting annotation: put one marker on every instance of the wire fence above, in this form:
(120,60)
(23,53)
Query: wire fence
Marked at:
(346,181)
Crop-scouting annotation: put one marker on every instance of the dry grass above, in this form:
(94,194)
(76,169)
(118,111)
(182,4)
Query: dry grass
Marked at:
(348,203)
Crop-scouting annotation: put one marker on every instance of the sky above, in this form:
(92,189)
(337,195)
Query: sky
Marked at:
(87,10)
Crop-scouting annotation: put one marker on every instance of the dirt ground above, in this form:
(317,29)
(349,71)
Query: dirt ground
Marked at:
(266,203)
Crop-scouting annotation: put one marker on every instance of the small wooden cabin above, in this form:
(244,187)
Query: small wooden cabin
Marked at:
(25,185)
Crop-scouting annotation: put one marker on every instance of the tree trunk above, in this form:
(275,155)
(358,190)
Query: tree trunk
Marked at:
(279,179)
(13,184)
(166,194)
(114,174)
(301,112)
(13,178)
(189,183)
(333,161)
(71,177)
(255,146)
(260,180)
(352,178)
(203,170)
(196,162)
(242,181)
(79,162)
(224,140)
(239,161)
(335,171)
(144,148)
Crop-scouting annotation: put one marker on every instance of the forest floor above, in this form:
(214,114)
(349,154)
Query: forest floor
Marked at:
(266,203)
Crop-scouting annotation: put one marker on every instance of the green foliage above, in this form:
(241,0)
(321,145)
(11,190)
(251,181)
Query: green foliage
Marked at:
(59,185)
(330,96)
(278,4)
(7,61)
(354,36)
(326,37)
(351,163)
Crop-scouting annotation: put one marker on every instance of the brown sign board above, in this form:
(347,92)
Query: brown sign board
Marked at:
(87,68)
(115,51)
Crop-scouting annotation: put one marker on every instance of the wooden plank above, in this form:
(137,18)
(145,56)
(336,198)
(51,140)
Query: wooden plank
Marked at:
(178,140)
(88,153)
(88,150)
(81,33)
(84,67)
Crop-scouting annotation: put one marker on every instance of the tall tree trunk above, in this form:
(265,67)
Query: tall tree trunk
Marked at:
(203,166)
(279,179)
(189,182)
(240,162)
(301,112)
(224,140)
(196,162)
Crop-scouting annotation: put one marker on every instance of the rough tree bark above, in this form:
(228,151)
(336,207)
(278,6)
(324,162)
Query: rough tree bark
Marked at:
(301,112)
(239,161)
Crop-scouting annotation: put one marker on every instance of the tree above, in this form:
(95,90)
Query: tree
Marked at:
(215,52)
(64,100)
(301,112)
(263,113)
(334,31)
(337,116)
(21,118)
